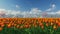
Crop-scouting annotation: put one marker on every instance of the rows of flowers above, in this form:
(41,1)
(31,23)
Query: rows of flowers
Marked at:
(29,25)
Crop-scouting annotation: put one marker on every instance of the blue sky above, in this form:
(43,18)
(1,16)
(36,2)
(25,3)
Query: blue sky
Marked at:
(28,4)
(29,8)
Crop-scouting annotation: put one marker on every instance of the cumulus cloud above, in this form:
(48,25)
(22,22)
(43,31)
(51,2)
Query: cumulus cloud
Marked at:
(49,9)
(58,12)
(54,13)
(17,6)
(52,7)
(34,12)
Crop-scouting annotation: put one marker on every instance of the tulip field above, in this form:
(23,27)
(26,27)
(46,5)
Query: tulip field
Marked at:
(29,25)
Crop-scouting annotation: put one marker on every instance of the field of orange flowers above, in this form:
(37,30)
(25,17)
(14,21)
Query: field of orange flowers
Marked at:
(29,25)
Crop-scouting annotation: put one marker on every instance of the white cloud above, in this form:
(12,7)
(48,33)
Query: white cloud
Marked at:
(52,13)
(53,5)
(58,12)
(17,6)
(32,13)
(35,11)
(51,8)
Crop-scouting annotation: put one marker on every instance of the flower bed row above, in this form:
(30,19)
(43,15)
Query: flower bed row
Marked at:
(50,25)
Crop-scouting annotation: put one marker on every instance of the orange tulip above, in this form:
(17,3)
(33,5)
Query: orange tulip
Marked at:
(9,25)
(58,24)
(1,28)
(54,27)
(52,24)
(41,24)
(21,26)
(2,25)
(35,25)
(26,26)
(47,24)
(42,27)
(17,26)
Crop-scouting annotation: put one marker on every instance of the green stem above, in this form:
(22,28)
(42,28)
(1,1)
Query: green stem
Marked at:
(51,31)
